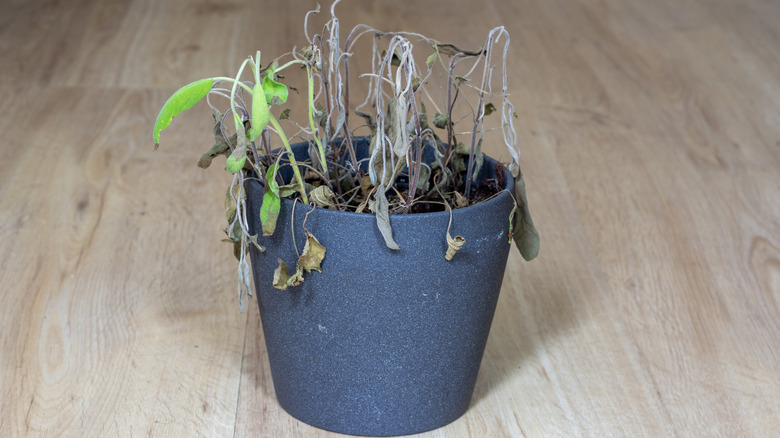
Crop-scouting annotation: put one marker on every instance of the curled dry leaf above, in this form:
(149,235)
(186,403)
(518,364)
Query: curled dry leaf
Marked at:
(310,260)
(453,245)
(322,196)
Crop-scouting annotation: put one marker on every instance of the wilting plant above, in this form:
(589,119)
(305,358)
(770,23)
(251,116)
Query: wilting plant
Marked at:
(417,161)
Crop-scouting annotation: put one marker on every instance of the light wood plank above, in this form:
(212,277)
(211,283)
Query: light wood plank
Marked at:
(651,146)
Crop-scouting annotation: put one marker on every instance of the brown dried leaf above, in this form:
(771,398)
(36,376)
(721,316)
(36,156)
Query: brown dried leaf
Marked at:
(381,207)
(313,254)
(220,148)
(280,276)
(365,185)
(460,200)
(322,196)
(453,245)
(296,278)
(523,230)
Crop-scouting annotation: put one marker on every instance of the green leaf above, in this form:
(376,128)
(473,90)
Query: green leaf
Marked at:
(430,60)
(275,92)
(182,100)
(236,160)
(261,115)
(272,204)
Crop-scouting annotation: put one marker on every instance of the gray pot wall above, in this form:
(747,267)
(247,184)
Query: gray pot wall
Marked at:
(381,342)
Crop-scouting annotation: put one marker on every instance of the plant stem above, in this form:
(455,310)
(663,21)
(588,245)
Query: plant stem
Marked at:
(293,163)
(314,129)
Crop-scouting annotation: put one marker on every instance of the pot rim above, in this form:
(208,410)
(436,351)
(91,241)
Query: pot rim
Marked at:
(472,209)
(509,182)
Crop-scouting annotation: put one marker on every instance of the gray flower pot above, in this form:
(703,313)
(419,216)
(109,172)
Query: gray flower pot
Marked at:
(381,342)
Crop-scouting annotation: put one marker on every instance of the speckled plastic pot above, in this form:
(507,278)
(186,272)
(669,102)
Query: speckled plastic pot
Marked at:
(381,342)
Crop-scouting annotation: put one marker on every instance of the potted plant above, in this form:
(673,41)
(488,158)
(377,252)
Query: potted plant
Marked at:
(378,241)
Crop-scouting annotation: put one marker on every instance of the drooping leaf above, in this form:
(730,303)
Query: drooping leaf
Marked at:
(269,210)
(221,148)
(289,189)
(253,240)
(275,92)
(489,109)
(281,276)
(453,245)
(237,250)
(313,254)
(451,50)
(261,115)
(230,204)
(381,209)
(182,100)
(440,120)
(524,233)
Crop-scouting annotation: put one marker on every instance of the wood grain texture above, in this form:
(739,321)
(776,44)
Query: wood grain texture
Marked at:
(651,148)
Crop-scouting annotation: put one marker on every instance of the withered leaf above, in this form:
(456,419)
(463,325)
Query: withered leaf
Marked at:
(220,148)
(253,239)
(281,277)
(460,200)
(522,226)
(365,185)
(313,254)
(285,114)
(296,278)
(451,49)
(322,196)
(381,208)
(230,204)
(288,189)
(440,120)
(453,245)
(489,109)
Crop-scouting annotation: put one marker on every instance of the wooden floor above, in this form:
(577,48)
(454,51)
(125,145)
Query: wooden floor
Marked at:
(650,133)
